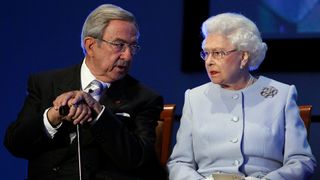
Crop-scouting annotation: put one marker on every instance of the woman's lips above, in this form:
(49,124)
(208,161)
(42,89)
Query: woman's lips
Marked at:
(212,73)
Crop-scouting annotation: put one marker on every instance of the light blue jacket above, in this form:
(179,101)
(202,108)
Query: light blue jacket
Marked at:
(256,131)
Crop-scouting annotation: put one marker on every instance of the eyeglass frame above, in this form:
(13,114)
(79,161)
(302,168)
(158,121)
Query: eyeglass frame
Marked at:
(122,46)
(215,54)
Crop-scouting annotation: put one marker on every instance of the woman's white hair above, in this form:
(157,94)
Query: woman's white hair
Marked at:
(242,33)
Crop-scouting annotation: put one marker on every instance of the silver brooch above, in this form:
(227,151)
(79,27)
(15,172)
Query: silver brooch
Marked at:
(269,92)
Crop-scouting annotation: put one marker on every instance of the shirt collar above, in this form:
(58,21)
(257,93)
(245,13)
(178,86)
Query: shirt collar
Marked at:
(87,76)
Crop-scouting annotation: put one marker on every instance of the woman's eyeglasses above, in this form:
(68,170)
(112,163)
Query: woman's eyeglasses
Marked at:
(215,54)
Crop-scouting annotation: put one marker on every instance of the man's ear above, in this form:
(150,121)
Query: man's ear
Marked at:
(89,43)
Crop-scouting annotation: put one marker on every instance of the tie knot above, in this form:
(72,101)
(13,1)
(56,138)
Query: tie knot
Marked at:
(95,88)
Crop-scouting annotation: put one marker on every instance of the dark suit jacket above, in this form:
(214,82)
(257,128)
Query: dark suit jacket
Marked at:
(115,147)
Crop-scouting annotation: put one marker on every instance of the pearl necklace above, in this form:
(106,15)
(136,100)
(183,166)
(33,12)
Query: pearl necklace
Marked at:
(250,81)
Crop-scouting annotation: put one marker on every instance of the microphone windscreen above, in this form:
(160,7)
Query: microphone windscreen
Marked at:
(64,110)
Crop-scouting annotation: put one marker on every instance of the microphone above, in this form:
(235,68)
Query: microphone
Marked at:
(64,110)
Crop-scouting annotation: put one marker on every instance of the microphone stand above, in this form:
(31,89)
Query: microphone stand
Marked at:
(79,151)
(63,111)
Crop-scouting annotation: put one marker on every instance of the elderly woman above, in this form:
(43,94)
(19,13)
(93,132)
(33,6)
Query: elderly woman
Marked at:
(239,126)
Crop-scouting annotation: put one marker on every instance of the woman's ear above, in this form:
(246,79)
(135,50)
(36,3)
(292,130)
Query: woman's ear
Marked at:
(245,59)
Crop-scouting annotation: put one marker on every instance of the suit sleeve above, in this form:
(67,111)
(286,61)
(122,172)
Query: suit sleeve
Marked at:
(26,137)
(298,161)
(182,165)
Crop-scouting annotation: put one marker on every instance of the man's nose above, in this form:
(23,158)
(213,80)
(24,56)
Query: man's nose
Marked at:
(127,54)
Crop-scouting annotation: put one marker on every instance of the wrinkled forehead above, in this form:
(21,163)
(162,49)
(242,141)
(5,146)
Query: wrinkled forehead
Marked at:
(121,30)
(216,41)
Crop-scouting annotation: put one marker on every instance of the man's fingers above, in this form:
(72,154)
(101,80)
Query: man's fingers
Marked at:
(82,114)
(79,106)
(64,99)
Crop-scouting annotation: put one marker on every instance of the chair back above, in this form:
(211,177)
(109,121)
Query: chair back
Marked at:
(164,132)
(305,113)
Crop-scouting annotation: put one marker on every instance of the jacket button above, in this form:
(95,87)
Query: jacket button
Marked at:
(235,96)
(236,163)
(235,140)
(235,119)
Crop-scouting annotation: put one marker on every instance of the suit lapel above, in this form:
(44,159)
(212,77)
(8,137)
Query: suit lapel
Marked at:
(71,81)
(113,98)
(116,96)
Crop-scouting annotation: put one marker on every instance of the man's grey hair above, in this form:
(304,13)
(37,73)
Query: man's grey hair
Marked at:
(99,19)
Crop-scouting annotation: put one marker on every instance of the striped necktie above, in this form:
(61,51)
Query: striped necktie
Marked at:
(95,89)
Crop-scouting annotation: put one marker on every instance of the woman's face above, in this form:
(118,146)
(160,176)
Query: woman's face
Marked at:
(223,60)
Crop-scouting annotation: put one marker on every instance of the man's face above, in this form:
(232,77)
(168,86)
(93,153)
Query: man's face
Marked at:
(109,59)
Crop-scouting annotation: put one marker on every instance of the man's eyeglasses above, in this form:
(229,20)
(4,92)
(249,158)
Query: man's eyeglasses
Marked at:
(215,54)
(122,46)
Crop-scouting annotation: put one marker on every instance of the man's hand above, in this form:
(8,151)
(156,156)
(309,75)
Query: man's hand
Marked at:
(81,106)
